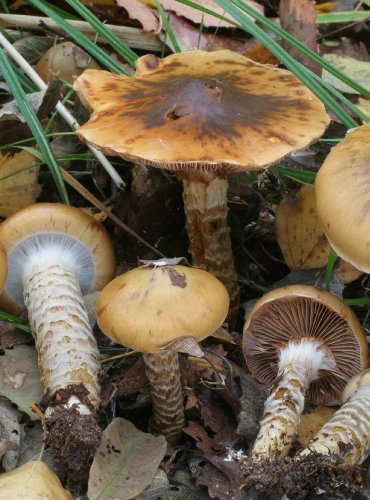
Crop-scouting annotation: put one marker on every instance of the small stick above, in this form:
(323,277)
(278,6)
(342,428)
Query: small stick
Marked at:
(62,110)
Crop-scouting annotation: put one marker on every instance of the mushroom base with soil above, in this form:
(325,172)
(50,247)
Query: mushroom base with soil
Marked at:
(299,365)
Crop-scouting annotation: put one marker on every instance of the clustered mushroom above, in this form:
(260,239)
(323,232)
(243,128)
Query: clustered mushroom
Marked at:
(157,309)
(57,253)
(347,433)
(306,343)
(202,114)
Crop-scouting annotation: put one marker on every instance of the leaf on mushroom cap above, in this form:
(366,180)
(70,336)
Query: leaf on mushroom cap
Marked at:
(3,266)
(295,312)
(42,224)
(343,200)
(200,109)
(149,308)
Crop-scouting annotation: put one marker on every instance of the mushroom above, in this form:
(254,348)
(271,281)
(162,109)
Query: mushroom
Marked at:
(343,199)
(202,114)
(301,341)
(32,481)
(57,253)
(3,266)
(347,433)
(158,309)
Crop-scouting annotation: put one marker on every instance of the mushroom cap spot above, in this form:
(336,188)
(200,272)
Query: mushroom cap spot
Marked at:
(200,110)
(3,266)
(359,381)
(149,308)
(343,198)
(32,480)
(298,311)
(55,218)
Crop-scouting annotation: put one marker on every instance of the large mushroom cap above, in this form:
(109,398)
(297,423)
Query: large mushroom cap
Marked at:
(360,382)
(148,308)
(3,266)
(42,225)
(299,312)
(343,199)
(198,108)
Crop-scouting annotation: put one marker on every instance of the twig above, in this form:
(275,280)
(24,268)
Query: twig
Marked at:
(133,37)
(62,110)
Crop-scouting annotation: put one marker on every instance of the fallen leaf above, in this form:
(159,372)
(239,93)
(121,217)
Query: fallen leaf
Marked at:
(10,435)
(140,12)
(207,20)
(20,379)
(125,462)
(10,335)
(252,403)
(353,68)
(11,111)
(18,182)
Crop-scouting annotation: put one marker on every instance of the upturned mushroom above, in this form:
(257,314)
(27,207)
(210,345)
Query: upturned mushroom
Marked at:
(347,433)
(157,309)
(32,481)
(202,114)
(57,253)
(306,344)
(343,199)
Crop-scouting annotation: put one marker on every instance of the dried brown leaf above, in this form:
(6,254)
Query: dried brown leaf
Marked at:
(141,13)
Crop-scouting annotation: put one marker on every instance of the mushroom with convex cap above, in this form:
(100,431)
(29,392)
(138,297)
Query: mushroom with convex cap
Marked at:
(160,309)
(342,198)
(306,344)
(56,254)
(347,433)
(202,114)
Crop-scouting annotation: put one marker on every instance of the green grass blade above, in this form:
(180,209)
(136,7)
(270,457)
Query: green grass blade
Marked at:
(79,38)
(296,174)
(330,268)
(121,48)
(14,320)
(33,123)
(343,17)
(166,22)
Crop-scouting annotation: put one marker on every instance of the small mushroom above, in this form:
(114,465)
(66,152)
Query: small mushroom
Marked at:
(202,114)
(3,266)
(32,481)
(157,309)
(56,254)
(303,342)
(343,199)
(347,433)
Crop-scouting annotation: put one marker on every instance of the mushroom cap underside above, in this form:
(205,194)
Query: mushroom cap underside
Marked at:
(298,312)
(343,199)
(196,109)
(148,308)
(39,225)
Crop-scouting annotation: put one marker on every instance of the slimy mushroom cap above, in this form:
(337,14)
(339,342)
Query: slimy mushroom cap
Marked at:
(199,110)
(298,312)
(343,200)
(40,229)
(148,308)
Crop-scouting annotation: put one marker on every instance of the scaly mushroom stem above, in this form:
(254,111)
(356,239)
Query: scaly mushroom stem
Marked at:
(347,433)
(163,372)
(67,350)
(205,200)
(299,364)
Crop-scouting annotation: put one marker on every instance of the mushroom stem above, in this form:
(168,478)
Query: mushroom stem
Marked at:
(205,200)
(67,350)
(163,372)
(347,433)
(299,364)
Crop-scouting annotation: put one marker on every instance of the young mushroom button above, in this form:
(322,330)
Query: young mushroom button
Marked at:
(57,253)
(202,114)
(343,199)
(347,433)
(301,341)
(154,310)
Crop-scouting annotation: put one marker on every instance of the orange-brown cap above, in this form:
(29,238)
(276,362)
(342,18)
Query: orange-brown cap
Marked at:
(76,235)
(361,381)
(295,312)
(343,200)
(200,109)
(3,266)
(148,308)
